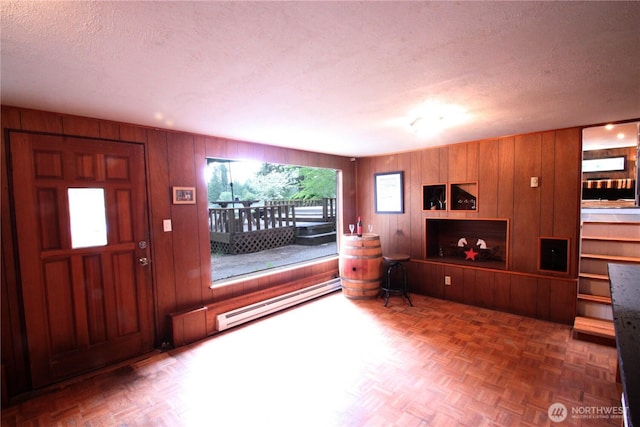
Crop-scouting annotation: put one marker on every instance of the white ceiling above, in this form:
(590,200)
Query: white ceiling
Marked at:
(344,78)
(625,134)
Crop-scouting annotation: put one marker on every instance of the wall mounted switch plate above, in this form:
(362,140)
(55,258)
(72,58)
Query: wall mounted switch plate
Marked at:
(534,181)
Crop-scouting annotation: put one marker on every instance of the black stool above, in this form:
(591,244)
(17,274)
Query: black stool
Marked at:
(396,267)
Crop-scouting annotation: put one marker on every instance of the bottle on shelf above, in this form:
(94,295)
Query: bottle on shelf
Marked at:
(359,227)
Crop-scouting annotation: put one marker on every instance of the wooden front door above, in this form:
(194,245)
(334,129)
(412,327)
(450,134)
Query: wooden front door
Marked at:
(82,228)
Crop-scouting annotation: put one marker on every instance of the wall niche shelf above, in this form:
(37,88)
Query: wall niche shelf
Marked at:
(480,243)
(464,196)
(434,197)
(457,196)
(554,254)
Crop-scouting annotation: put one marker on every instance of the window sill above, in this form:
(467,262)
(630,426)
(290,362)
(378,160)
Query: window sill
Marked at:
(269,272)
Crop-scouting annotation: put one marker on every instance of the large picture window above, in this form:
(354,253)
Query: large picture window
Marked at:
(264,216)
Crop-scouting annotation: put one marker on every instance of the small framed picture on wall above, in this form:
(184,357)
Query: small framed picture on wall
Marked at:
(184,195)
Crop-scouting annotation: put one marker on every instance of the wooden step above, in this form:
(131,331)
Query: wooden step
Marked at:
(316,239)
(594,276)
(605,227)
(595,298)
(309,229)
(611,257)
(612,239)
(611,229)
(617,248)
(597,327)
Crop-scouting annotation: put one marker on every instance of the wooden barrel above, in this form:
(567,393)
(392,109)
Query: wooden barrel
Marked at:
(360,266)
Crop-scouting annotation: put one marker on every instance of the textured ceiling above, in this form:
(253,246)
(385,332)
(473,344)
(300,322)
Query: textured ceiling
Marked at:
(345,78)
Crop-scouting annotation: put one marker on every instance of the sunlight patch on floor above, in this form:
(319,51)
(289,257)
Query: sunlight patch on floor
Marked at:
(241,376)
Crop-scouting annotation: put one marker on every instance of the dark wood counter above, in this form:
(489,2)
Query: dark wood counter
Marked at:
(625,298)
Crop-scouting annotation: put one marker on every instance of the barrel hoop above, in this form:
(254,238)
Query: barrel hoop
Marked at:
(348,289)
(371,293)
(361,256)
(345,246)
(355,281)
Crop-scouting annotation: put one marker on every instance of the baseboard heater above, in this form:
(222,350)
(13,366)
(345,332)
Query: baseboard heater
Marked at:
(250,312)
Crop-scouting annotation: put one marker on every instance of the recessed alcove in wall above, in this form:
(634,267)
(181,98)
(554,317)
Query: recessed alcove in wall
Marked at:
(434,197)
(554,254)
(464,196)
(478,242)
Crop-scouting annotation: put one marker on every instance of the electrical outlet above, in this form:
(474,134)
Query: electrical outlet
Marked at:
(447,280)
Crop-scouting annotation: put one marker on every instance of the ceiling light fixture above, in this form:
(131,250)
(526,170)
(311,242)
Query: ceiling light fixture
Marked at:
(433,117)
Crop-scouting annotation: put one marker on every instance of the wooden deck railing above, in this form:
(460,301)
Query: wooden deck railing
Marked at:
(244,220)
(251,229)
(328,205)
(237,230)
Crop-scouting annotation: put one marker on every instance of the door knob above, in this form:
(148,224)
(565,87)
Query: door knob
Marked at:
(144,261)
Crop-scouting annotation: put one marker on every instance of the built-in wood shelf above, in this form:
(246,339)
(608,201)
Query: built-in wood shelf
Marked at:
(456,196)
(434,197)
(553,255)
(464,196)
(474,242)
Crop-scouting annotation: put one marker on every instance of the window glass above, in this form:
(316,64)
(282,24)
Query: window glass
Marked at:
(88,218)
(266,215)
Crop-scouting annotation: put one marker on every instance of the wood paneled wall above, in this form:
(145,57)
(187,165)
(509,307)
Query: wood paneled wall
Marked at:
(181,263)
(502,168)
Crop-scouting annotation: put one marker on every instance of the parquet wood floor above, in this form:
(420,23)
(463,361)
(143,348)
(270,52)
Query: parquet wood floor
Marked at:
(338,362)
